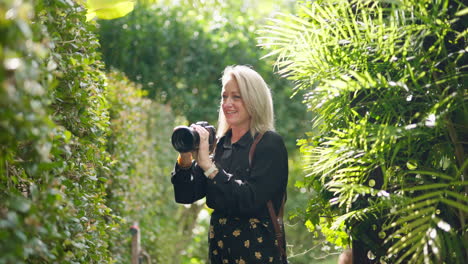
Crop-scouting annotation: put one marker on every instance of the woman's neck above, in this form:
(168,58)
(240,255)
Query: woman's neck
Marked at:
(237,133)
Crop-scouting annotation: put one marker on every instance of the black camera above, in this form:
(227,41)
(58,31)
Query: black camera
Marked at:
(186,139)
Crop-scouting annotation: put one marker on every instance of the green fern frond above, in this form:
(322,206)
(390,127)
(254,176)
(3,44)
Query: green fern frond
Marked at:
(385,80)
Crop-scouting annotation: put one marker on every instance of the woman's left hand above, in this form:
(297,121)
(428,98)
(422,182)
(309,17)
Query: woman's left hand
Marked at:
(203,157)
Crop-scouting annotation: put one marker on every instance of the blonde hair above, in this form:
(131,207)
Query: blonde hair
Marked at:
(256,96)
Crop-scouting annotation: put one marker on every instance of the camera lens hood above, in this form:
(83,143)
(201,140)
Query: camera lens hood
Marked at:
(185,139)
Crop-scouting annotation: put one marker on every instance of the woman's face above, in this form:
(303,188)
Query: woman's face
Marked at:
(233,106)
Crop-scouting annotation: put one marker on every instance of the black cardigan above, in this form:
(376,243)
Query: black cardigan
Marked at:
(237,189)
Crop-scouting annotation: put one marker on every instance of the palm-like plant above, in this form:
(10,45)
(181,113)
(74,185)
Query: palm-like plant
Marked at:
(387,83)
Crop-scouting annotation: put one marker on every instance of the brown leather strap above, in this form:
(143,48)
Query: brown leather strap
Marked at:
(278,226)
(253,147)
(277,221)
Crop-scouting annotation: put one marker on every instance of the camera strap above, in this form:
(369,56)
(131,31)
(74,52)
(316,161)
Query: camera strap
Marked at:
(277,220)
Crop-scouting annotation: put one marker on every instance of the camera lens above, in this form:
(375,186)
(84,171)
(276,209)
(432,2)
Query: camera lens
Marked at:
(185,139)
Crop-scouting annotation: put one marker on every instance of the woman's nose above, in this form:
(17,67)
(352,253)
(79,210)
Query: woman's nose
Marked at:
(228,101)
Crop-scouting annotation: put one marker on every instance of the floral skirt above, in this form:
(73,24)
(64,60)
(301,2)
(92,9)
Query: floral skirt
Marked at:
(234,240)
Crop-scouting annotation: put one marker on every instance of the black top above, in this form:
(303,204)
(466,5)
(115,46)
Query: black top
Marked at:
(238,190)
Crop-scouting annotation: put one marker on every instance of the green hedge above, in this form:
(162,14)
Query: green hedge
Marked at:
(143,158)
(54,125)
(81,156)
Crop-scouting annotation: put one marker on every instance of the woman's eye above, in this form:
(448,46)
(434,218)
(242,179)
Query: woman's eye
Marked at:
(233,97)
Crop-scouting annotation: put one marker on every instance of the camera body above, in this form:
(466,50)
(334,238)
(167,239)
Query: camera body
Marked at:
(187,139)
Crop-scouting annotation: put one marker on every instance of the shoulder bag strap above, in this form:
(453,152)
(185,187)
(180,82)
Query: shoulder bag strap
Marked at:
(252,148)
(276,220)
(278,226)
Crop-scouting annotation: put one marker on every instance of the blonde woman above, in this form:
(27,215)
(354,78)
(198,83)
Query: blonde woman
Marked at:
(241,228)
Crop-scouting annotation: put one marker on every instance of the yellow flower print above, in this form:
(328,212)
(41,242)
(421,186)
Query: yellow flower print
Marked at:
(260,239)
(253,222)
(215,252)
(258,255)
(220,244)
(226,261)
(222,221)
(236,233)
(241,261)
(211,231)
(247,243)
(271,260)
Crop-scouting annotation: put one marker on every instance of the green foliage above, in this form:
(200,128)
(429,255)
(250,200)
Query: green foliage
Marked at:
(387,84)
(55,118)
(305,243)
(140,187)
(81,155)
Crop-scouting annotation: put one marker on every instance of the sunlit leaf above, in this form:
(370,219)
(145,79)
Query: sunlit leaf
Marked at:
(107,9)
(462,12)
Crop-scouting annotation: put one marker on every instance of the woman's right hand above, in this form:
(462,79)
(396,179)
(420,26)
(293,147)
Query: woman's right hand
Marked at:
(202,156)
